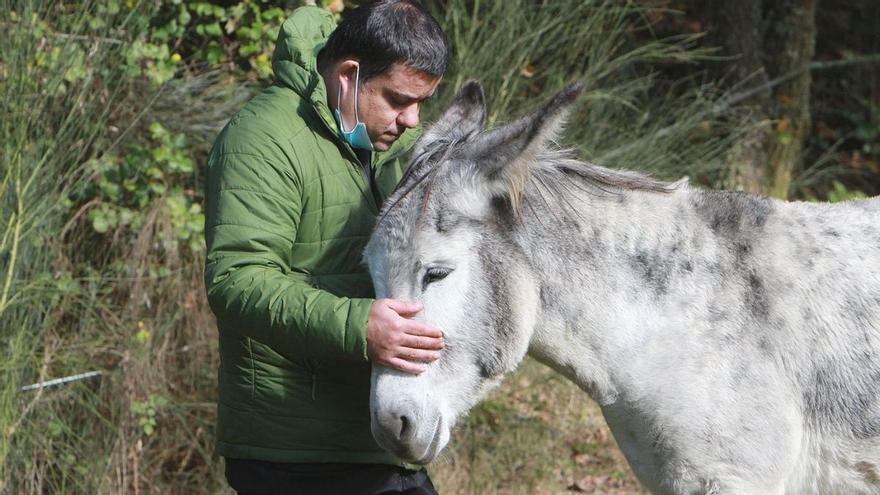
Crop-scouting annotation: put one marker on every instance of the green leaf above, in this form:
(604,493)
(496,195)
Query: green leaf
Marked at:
(214,53)
(158,188)
(130,185)
(100,223)
(160,154)
(273,13)
(157,132)
(55,427)
(154,172)
(184,17)
(247,49)
(126,215)
(210,29)
(784,137)
(142,336)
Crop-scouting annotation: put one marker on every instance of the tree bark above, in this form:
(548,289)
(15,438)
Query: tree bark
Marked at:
(736,27)
(789,45)
(765,39)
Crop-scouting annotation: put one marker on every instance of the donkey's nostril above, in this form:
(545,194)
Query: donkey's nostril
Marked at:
(404,427)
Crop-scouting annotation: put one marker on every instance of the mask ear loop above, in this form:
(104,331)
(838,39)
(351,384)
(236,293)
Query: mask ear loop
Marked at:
(357,76)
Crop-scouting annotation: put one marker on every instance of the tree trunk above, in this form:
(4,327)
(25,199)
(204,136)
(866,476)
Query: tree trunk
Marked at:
(735,26)
(764,40)
(789,46)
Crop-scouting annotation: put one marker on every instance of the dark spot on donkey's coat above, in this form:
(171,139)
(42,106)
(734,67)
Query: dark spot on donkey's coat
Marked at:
(728,213)
(756,297)
(444,221)
(831,232)
(841,398)
(653,268)
(869,472)
(498,319)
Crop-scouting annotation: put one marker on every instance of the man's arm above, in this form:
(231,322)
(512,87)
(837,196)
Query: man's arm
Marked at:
(252,215)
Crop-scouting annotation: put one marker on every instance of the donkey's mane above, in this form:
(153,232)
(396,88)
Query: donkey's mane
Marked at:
(556,170)
(565,171)
(422,165)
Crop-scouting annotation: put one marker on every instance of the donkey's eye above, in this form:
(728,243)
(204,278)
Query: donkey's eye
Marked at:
(435,274)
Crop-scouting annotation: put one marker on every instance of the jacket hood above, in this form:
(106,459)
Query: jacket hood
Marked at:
(295,60)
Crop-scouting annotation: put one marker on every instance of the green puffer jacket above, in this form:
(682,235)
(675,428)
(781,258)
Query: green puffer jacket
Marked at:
(288,213)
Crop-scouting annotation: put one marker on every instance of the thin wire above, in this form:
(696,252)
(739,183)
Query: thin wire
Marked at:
(61,381)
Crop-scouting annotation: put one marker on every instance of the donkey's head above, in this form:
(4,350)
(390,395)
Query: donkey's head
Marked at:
(446,237)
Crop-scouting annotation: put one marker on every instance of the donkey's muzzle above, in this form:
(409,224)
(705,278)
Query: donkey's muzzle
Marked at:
(393,431)
(398,433)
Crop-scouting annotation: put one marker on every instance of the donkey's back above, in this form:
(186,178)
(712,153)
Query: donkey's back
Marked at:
(832,307)
(798,289)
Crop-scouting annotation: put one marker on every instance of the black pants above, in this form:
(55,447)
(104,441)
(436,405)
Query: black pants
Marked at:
(249,477)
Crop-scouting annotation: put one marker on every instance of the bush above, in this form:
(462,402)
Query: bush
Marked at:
(60,78)
(101,252)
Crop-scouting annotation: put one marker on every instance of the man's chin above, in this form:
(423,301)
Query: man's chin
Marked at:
(385,141)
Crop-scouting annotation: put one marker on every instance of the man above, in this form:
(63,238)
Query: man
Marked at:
(295,181)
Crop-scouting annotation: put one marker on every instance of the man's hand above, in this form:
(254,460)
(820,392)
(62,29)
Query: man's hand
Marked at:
(395,341)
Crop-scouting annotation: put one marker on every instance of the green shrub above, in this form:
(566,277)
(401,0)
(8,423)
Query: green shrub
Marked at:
(60,77)
(123,187)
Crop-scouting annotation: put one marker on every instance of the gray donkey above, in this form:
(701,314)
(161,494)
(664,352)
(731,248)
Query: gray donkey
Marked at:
(732,341)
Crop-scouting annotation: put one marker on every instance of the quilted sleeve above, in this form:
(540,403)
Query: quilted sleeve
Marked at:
(252,216)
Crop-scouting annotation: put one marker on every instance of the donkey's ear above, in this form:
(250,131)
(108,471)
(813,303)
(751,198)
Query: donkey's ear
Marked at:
(503,155)
(464,118)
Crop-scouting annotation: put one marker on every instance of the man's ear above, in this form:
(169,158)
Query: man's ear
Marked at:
(344,77)
(464,118)
(503,156)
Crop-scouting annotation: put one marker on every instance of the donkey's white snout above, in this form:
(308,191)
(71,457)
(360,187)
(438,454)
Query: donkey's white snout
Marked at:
(392,425)
(394,431)
(407,435)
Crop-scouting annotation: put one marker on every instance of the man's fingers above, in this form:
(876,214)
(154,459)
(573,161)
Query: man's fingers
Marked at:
(406,366)
(423,342)
(404,308)
(412,327)
(419,329)
(419,355)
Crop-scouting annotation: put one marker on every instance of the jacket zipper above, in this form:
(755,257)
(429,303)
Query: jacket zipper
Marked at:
(314,385)
(313,372)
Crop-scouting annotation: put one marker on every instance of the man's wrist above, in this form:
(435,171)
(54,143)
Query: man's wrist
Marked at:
(356,328)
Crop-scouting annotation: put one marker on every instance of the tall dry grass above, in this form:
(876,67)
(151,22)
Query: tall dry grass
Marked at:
(126,303)
(58,88)
(629,116)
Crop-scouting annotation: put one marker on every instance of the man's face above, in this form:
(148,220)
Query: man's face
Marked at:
(388,103)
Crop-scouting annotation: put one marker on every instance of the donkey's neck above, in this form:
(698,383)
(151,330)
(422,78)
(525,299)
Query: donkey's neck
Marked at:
(608,266)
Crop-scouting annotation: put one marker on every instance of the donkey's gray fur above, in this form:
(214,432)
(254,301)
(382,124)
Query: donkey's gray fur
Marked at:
(732,341)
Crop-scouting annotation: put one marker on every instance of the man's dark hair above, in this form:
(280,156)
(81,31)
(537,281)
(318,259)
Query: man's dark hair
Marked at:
(384,32)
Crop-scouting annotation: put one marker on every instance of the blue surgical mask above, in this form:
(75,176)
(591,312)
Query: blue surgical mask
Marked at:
(357,137)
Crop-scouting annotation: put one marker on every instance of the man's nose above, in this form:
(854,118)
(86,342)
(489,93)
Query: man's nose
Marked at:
(409,118)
